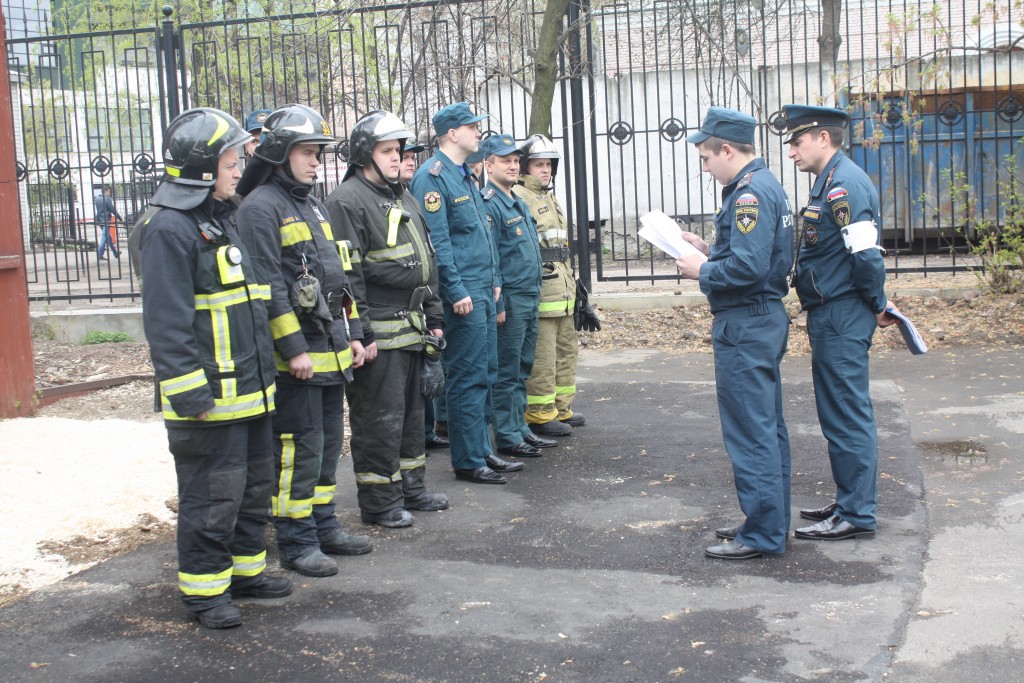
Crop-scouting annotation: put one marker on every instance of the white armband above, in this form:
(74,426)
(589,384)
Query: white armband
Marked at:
(860,236)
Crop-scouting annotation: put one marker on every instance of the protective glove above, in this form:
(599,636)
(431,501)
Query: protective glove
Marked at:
(431,378)
(584,315)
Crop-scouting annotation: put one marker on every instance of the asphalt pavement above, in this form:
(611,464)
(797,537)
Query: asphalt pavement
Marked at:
(588,566)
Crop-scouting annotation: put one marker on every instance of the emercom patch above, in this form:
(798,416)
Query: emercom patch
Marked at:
(841,212)
(746,218)
(432,201)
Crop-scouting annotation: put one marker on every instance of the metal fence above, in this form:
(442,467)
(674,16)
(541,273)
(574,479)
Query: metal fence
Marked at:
(932,89)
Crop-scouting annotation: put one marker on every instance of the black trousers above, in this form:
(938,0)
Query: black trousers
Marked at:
(386,416)
(225,480)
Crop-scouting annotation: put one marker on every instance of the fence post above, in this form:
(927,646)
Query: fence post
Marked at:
(169,48)
(18,379)
(579,11)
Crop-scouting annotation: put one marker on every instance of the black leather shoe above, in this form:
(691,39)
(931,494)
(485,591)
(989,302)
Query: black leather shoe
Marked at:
(728,533)
(551,428)
(501,465)
(835,528)
(732,551)
(265,587)
(438,442)
(576,420)
(819,514)
(221,616)
(539,441)
(520,450)
(481,475)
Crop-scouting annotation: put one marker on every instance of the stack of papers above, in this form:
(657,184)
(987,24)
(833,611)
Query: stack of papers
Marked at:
(660,230)
(910,334)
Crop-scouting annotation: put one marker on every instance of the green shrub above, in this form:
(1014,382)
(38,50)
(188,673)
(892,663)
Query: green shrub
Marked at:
(96,337)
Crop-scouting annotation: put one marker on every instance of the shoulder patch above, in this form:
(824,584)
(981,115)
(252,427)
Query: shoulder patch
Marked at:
(841,212)
(746,199)
(432,201)
(436,167)
(488,193)
(745,180)
(746,218)
(837,193)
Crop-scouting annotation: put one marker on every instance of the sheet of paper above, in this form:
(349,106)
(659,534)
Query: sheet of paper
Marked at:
(659,229)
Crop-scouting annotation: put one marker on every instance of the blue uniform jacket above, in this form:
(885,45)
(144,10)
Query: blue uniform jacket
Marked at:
(514,234)
(454,211)
(753,253)
(842,194)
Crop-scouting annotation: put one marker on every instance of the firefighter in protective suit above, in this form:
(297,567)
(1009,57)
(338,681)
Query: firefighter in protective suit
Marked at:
(394,283)
(316,335)
(205,317)
(552,383)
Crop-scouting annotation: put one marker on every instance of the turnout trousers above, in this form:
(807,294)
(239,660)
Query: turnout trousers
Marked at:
(386,416)
(470,363)
(308,432)
(749,344)
(552,383)
(517,339)
(840,334)
(225,481)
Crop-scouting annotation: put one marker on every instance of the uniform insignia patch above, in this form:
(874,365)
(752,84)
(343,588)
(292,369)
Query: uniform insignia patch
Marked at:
(488,193)
(745,180)
(459,200)
(746,218)
(519,231)
(437,167)
(543,209)
(837,193)
(319,215)
(841,212)
(811,213)
(811,235)
(432,201)
(746,199)
(513,220)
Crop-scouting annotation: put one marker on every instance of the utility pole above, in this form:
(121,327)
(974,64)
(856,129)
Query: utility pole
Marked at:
(18,377)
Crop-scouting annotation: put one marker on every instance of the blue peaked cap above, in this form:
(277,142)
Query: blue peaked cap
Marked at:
(727,124)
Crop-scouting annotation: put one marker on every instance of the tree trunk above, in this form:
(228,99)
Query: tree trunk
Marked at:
(546,69)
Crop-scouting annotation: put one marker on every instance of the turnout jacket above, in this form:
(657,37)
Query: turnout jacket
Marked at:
(204,309)
(387,274)
(558,286)
(287,231)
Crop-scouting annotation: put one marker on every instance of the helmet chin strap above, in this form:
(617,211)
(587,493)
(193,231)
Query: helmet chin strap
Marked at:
(395,185)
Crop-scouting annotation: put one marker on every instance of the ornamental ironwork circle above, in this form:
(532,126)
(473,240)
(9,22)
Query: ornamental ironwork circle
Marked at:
(1010,108)
(59,169)
(672,130)
(20,171)
(892,117)
(101,166)
(777,122)
(951,112)
(144,164)
(342,151)
(620,132)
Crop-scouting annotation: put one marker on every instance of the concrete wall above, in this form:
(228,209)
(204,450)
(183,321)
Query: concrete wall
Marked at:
(72,326)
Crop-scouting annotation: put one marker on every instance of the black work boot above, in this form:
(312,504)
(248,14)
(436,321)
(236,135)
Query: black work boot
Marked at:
(313,563)
(427,502)
(339,542)
(221,616)
(551,428)
(393,519)
(265,587)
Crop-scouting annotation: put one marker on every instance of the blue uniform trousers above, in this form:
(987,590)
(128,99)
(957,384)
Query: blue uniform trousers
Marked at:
(517,340)
(749,344)
(308,434)
(470,364)
(840,334)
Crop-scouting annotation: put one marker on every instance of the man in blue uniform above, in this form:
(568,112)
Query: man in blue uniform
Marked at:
(744,280)
(840,278)
(515,234)
(470,285)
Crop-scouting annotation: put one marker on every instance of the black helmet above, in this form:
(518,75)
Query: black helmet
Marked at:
(539,147)
(193,145)
(290,125)
(377,126)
